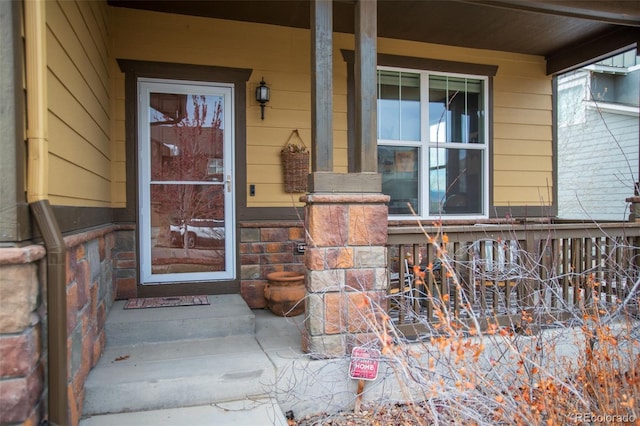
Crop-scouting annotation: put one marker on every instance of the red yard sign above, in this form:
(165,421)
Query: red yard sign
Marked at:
(364,363)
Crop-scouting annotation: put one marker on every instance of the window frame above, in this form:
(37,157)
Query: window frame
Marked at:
(424,145)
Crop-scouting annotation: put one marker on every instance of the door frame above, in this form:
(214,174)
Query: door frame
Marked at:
(146,86)
(133,70)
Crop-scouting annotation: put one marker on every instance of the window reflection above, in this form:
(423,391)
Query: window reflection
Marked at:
(399,168)
(455,181)
(398,105)
(186,194)
(455,109)
(186,137)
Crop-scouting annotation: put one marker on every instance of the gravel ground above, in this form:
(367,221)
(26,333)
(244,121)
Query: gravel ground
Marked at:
(377,415)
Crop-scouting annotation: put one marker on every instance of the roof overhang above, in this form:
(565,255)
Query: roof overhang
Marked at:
(568,33)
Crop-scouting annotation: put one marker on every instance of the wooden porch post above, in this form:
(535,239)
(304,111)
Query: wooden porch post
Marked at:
(322,85)
(366,152)
(346,213)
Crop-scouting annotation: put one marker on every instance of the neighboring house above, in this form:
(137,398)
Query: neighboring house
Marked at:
(598,138)
(90,195)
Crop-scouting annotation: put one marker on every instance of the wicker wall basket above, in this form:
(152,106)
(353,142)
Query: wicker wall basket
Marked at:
(295,164)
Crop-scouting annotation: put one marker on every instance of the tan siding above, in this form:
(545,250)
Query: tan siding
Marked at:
(521,97)
(523,147)
(69,109)
(522,131)
(279,116)
(67,74)
(94,15)
(523,196)
(520,100)
(75,149)
(516,84)
(268,173)
(79,104)
(521,116)
(523,178)
(87,186)
(521,163)
(84,27)
(80,52)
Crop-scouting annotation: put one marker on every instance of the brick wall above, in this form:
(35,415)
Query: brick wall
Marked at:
(267,247)
(124,262)
(264,247)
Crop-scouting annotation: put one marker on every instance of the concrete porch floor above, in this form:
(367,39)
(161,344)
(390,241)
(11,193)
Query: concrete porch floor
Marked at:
(251,376)
(276,339)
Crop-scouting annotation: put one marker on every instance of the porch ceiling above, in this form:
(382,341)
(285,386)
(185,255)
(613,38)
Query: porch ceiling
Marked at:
(568,33)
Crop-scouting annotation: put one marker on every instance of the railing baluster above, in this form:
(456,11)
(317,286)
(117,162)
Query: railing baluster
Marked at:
(430,277)
(572,262)
(555,268)
(566,269)
(507,275)
(609,262)
(416,291)
(578,257)
(599,274)
(483,276)
(588,282)
(621,262)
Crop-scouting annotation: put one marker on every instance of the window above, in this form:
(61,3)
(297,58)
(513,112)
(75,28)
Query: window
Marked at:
(433,142)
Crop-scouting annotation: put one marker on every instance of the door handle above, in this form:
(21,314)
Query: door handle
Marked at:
(228,183)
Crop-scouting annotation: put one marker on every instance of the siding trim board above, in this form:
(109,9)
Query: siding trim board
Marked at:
(73,219)
(14,216)
(437,65)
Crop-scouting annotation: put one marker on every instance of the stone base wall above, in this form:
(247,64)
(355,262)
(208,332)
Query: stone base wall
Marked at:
(125,262)
(90,294)
(267,247)
(22,335)
(264,247)
(23,319)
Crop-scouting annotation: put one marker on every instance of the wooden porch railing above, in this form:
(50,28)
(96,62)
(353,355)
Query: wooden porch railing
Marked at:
(500,274)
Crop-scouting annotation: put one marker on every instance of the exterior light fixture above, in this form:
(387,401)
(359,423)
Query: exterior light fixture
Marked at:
(262,96)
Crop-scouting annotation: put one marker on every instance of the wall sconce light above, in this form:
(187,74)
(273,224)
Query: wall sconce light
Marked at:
(262,96)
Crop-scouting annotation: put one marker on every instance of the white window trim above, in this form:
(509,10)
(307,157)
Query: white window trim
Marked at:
(424,145)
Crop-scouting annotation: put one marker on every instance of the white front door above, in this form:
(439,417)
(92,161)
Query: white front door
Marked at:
(185,177)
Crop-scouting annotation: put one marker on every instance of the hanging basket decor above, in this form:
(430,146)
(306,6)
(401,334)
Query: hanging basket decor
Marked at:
(295,164)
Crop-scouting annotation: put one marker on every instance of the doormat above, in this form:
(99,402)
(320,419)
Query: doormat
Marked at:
(164,302)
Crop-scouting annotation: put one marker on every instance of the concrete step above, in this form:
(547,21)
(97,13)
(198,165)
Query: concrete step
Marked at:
(226,315)
(154,376)
(236,413)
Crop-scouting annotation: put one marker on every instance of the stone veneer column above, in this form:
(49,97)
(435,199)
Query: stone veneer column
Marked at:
(346,275)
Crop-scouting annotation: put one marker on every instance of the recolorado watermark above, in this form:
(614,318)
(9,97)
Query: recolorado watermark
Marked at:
(605,418)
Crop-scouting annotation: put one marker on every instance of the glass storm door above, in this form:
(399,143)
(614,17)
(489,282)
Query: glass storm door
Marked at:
(186,193)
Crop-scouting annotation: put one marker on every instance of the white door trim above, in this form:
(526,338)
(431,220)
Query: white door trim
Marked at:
(145,87)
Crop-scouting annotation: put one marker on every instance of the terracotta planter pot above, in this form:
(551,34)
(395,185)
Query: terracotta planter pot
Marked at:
(285,292)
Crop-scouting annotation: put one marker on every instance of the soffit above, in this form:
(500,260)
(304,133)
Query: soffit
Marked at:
(546,28)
